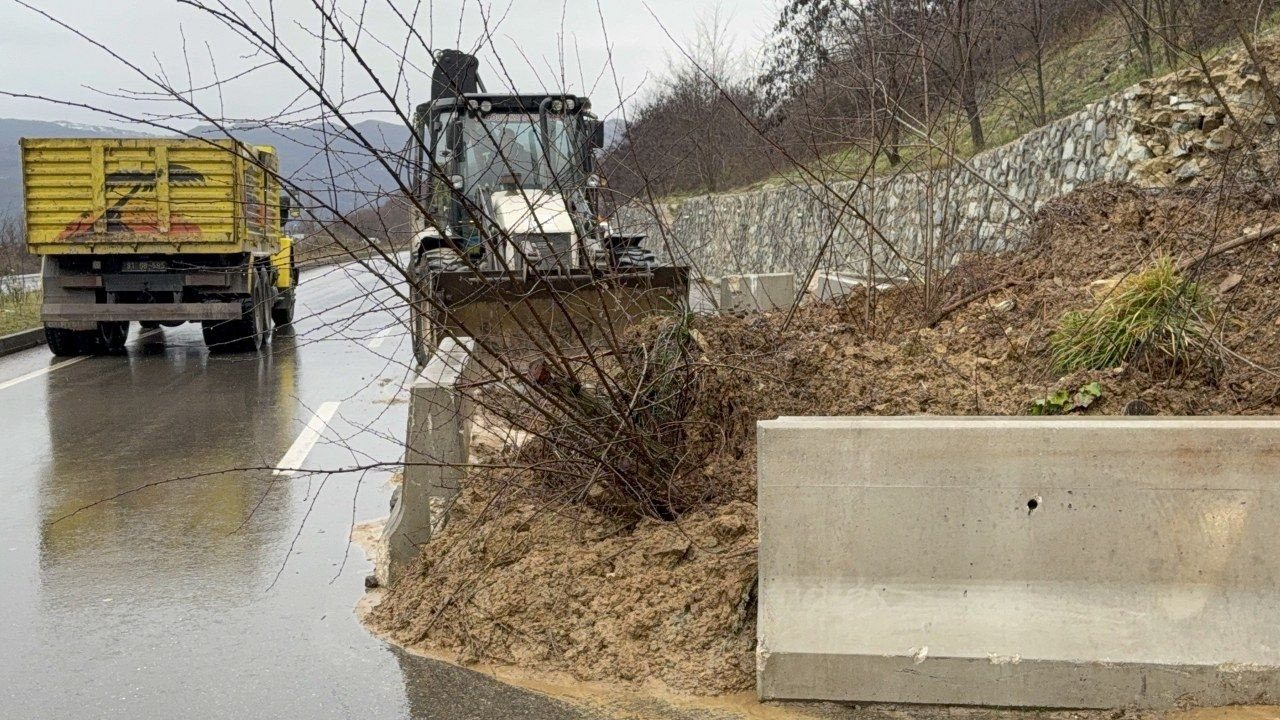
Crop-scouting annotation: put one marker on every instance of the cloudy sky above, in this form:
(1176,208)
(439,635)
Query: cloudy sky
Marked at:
(531,44)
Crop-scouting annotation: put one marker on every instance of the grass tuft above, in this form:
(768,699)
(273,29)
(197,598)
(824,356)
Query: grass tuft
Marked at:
(1156,312)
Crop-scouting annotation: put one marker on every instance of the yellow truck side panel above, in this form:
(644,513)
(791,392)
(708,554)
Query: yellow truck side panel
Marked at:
(127,196)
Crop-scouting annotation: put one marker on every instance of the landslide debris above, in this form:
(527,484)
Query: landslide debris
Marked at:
(517,579)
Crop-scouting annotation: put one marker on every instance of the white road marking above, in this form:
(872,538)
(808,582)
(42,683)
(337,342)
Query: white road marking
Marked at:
(376,341)
(57,366)
(42,371)
(307,440)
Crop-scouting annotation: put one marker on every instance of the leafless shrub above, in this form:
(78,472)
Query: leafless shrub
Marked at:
(14,258)
(903,80)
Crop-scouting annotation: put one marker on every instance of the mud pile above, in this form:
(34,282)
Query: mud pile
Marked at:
(513,580)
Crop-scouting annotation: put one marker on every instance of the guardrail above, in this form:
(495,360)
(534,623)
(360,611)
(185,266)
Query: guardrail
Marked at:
(21,340)
(26,283)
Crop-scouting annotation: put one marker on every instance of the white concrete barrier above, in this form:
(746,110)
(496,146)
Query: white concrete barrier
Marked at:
(754,293)
(435,458)
(829,285)
(1072,562)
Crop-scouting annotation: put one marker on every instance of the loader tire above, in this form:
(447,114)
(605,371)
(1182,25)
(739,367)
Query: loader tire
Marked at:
(423,315)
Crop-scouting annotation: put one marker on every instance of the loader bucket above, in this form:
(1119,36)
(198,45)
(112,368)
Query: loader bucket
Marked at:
(513,315)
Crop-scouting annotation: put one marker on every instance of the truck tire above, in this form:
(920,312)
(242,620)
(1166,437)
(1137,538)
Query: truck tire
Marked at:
(248,333)
(109,337)
(241,335)
(282,312)
(65,343)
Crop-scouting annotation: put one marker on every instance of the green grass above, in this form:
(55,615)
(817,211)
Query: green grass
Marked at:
(19,311)
(1156,311)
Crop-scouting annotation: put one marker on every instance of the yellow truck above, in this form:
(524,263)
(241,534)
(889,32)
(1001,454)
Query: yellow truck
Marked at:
(161,232)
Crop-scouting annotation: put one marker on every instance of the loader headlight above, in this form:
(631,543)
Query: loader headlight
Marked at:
(486,106)
(556,106)
(593,181)
(570,103)
(456,181)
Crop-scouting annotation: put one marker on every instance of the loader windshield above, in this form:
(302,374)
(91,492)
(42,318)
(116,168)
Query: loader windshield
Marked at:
(510,150)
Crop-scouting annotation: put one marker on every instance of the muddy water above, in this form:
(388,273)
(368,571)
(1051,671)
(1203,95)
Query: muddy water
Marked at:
(141,579)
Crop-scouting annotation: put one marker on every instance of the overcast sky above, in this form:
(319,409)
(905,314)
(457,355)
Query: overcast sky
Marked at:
(534,44)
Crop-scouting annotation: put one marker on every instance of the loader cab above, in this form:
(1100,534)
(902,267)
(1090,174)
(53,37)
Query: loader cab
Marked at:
(474,145)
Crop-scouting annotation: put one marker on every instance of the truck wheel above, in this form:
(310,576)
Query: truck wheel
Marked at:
(63,342)
(241,335)
(282,313)
(263,303)
(249,332)
(215,334)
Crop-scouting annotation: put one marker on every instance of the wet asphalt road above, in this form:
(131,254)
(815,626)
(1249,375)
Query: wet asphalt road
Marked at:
(207,590)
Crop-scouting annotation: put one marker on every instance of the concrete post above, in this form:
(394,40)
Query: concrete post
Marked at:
(1049,562)
(436,453)
(756,293)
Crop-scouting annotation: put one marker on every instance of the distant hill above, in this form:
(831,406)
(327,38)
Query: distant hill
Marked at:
(328,161)
(346,172)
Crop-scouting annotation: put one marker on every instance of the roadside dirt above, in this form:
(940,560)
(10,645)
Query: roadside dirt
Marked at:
(513,581)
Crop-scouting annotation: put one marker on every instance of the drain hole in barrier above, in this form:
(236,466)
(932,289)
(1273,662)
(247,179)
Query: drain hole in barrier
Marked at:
(1032,504)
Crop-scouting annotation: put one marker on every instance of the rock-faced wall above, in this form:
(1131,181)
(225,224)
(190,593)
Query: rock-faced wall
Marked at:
(1168,131)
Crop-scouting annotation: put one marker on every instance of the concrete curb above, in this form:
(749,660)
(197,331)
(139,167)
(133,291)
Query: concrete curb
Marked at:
(22,340)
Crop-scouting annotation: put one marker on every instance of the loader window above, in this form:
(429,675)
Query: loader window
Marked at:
(506,150)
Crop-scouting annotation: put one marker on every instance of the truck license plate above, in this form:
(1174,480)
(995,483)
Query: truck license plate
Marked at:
(145,266)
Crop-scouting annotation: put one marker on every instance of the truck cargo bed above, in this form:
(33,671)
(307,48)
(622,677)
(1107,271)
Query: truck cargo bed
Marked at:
(132,196)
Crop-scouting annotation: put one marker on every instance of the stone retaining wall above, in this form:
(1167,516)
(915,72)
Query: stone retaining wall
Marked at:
(1161,132)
